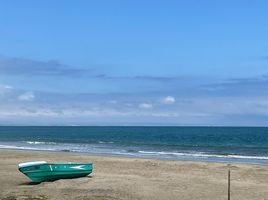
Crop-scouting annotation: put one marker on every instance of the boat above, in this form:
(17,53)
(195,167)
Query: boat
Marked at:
(41,171)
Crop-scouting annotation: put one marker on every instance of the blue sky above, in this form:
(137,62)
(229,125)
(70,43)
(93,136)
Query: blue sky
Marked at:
(134,62)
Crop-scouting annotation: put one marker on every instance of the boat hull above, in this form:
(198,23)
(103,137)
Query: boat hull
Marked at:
(51,172)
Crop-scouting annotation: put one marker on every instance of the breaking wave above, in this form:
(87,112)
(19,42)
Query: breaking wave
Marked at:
(202,155)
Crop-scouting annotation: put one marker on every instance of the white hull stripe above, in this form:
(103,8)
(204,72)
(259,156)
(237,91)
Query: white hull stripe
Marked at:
(78,167)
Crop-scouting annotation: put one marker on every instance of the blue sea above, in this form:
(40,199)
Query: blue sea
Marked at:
(220,144)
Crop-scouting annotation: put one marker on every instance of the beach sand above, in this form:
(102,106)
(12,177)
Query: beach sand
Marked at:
(132,178)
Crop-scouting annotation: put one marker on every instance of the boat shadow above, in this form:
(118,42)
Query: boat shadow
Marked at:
(28,183)
(34,183)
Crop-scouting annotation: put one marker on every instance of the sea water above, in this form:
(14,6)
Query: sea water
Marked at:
(220,144)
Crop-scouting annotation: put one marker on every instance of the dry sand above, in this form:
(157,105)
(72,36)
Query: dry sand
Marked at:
(131,178)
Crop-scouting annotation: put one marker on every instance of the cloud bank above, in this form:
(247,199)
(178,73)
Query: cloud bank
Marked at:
(28,67)
(124,99)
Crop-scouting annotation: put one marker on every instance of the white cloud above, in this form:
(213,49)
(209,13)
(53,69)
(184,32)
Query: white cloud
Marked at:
(27,96)
(5,89)
(145,105)
(112,102)
(169,100)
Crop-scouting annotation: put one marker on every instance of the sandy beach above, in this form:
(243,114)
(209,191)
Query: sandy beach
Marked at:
(132,178)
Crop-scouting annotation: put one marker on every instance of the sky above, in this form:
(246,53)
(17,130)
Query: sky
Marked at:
(134,62)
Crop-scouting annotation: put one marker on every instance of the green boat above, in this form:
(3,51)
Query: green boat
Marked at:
(41,171)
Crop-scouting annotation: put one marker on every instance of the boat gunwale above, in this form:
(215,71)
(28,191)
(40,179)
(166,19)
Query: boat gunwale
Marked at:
(55,164)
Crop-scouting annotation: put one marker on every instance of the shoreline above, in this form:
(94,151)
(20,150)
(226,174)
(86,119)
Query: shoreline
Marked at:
(133,178)
(225,160)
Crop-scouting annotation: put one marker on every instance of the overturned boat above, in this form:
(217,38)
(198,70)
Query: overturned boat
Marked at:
(41,171)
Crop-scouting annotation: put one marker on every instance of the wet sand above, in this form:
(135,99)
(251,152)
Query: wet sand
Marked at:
(133,178)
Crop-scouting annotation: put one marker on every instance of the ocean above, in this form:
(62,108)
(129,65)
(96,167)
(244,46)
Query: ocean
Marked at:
(220,144)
